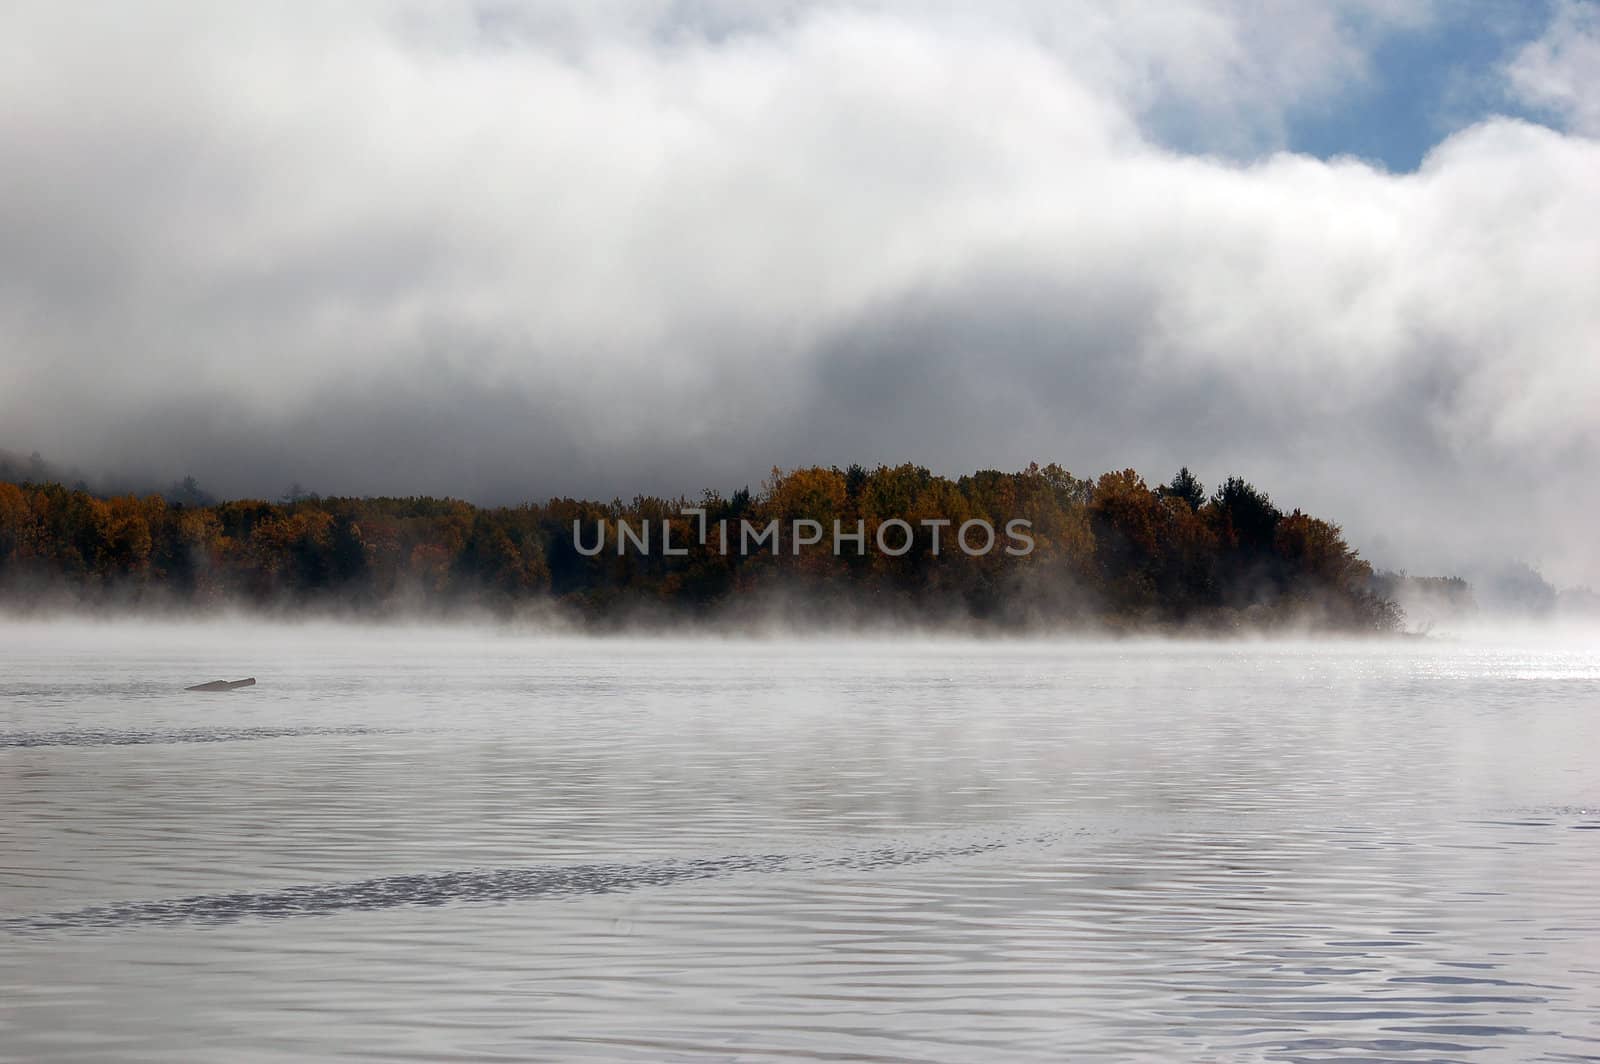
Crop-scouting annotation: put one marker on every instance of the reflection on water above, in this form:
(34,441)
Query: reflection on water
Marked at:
(541,850)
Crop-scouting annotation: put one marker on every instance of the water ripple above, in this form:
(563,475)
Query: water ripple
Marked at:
(498,885)
(80,737)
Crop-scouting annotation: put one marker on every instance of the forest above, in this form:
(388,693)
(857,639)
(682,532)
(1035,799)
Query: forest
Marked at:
(1111,552)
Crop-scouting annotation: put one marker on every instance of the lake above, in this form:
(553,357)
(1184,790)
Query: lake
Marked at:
(480,844)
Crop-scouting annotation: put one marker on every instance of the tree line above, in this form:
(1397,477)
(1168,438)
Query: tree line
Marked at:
(1112,551)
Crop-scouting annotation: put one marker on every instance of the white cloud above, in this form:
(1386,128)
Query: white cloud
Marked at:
(1557,72)
(579,248)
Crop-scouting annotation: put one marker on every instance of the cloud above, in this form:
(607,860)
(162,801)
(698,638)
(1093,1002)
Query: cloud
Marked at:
(511,250)
(1556,72)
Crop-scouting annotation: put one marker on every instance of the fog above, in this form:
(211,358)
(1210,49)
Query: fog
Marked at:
(515,250)
(250,638)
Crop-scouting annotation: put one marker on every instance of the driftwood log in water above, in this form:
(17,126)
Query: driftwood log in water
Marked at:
(223,685)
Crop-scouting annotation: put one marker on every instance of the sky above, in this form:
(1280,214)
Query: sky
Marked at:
(508,250)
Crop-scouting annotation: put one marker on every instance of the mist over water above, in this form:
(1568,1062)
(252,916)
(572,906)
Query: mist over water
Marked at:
(475,843)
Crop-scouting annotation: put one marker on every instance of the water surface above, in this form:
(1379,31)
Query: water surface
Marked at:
(476,845)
